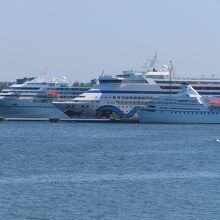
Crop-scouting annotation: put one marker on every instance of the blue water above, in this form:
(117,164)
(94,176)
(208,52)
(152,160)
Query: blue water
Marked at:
(109,171)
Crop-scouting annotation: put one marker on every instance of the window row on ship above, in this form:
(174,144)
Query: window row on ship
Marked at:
(176,103)
(195,87)
(121,97)
(126,97)
(170,108)
(92,106)
(57,89)
(29,93)
(70,89)
(189,82)
(188,112)
(131,103)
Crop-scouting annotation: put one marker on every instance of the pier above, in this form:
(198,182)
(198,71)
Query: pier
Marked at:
(56,119)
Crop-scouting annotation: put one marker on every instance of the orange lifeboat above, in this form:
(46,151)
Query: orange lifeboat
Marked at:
(214,102)
(53,93)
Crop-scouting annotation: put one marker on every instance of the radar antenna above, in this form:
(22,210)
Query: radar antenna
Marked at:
(172,68)
(102,73)
(153,61)
(170,75)
(150,64)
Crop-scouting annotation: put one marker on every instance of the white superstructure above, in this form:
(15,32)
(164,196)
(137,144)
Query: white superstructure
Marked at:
(186,107)
(122,95)
(33,99)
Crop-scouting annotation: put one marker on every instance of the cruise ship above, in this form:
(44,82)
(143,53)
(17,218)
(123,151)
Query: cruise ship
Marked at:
(33,98)
(186,107)
(120,96)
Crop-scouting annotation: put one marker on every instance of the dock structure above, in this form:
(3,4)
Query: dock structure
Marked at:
(56,119)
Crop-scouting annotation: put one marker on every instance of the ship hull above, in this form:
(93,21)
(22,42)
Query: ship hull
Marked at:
(88,111)
(77,110)
(28,109)
(178,117)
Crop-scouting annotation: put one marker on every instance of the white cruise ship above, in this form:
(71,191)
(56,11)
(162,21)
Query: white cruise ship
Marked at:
(121,95)
(33,99)
(186,107)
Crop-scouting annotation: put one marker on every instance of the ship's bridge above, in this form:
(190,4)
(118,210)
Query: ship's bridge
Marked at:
(109,79)
(127,77)
(160,73)
(157,75)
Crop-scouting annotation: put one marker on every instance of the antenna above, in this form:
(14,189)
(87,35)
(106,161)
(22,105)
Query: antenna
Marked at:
(103,71)
(172,68)
(170,75)
(44,72)
(150,64)
(153,61)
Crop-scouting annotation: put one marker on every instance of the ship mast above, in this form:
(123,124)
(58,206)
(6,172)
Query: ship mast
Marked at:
(170,73)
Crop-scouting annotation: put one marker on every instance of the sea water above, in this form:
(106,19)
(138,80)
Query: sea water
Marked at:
(109,171)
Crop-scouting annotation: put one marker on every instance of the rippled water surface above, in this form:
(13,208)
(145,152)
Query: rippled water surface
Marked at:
(109,171)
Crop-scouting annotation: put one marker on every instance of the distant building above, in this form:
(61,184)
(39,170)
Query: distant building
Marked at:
(82,84)
(94,82)
(4,85)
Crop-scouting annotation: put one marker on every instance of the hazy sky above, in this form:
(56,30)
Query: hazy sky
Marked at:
(80,38)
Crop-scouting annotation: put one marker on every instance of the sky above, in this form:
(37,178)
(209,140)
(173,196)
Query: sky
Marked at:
(81,38)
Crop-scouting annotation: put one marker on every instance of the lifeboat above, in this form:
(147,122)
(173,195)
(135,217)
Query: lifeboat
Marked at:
(53,93)
(214,102)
